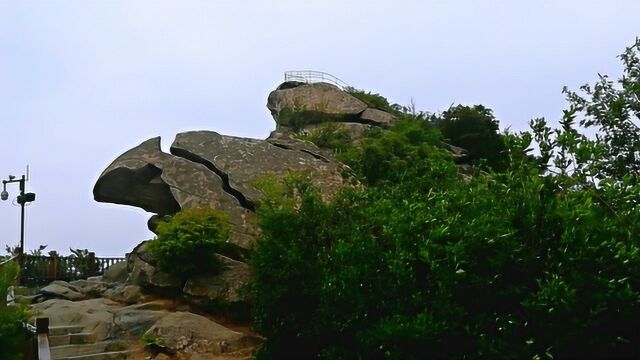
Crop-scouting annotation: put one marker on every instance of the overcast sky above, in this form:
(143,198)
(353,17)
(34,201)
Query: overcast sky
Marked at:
(83,81)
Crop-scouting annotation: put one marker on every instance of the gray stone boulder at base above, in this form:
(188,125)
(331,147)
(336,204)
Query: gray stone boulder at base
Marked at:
(116,273)
(143,272)
(62,290)
(225,287)
(187,333)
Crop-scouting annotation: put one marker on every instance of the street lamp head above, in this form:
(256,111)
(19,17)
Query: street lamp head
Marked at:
(4,195)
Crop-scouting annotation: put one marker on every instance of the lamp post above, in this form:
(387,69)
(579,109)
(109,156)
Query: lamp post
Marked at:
(22,199)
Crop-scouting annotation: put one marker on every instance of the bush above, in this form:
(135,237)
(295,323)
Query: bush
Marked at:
(329,136)
(474,129)
(409,150)
(373,100)
(187,242)
(13,339)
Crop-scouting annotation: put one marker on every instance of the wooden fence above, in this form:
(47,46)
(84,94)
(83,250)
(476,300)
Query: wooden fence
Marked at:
(41,270)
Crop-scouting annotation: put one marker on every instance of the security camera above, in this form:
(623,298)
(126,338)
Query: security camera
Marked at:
(4,195)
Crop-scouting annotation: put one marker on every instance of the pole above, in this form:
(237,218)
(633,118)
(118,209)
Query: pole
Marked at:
(22,217)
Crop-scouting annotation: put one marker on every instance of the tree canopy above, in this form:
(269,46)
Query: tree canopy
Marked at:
(538,258)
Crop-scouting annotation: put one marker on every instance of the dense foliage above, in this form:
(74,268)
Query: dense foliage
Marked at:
(191,238)
(13,338)
(474,129)
(538,259)
(373,100)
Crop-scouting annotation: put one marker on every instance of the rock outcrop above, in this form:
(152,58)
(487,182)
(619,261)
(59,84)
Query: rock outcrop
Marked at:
(306,108)
(206,169)
(189,333)
(321,98)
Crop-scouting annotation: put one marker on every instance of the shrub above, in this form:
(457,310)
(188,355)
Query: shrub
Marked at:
(539,260)
(187,242)
(373,100)
(13,339)
(474,129)
(329,136)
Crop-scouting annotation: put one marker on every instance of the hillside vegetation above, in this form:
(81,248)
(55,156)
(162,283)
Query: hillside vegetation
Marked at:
(536,257)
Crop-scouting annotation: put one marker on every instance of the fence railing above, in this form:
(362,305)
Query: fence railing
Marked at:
(312,76)
(41,270)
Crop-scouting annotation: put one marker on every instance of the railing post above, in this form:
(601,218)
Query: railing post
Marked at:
(42,334)
(91,264)
(42,325)
(53,265)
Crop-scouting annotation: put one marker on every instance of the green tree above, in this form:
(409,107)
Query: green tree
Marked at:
(612,109)
(13,339)
(476,130)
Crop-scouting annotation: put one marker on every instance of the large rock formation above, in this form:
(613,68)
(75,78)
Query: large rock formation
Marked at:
(207,169)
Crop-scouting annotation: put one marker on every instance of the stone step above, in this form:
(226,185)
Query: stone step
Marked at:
(70,339)
(64,330)
(113,355)
(61,352)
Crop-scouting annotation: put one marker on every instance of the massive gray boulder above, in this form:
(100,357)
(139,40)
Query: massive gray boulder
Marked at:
(164,184)
(206,169)
(313,98)
(187,334)
(298,105)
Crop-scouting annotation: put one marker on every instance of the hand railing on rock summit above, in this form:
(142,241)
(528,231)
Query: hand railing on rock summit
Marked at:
(311,76)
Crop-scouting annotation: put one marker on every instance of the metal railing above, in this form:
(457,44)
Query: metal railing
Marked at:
(311,76)
(41,270)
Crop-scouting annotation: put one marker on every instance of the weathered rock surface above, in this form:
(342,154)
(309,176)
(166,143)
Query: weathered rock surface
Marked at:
(299,106)
(181,333)
(142,272)
(377,117)
(224,287)
(134,179)
(164,184)
(94,315)
(187,333)
(62,290)
(242,162)
(116,273)
(318,97)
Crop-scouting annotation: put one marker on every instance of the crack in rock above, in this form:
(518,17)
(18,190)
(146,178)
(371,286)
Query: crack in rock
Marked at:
(286,147)
(226,185)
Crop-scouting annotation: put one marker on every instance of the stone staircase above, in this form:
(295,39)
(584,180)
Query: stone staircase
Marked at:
(70,343)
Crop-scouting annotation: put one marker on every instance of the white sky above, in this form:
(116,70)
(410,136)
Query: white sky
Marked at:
(83,81)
